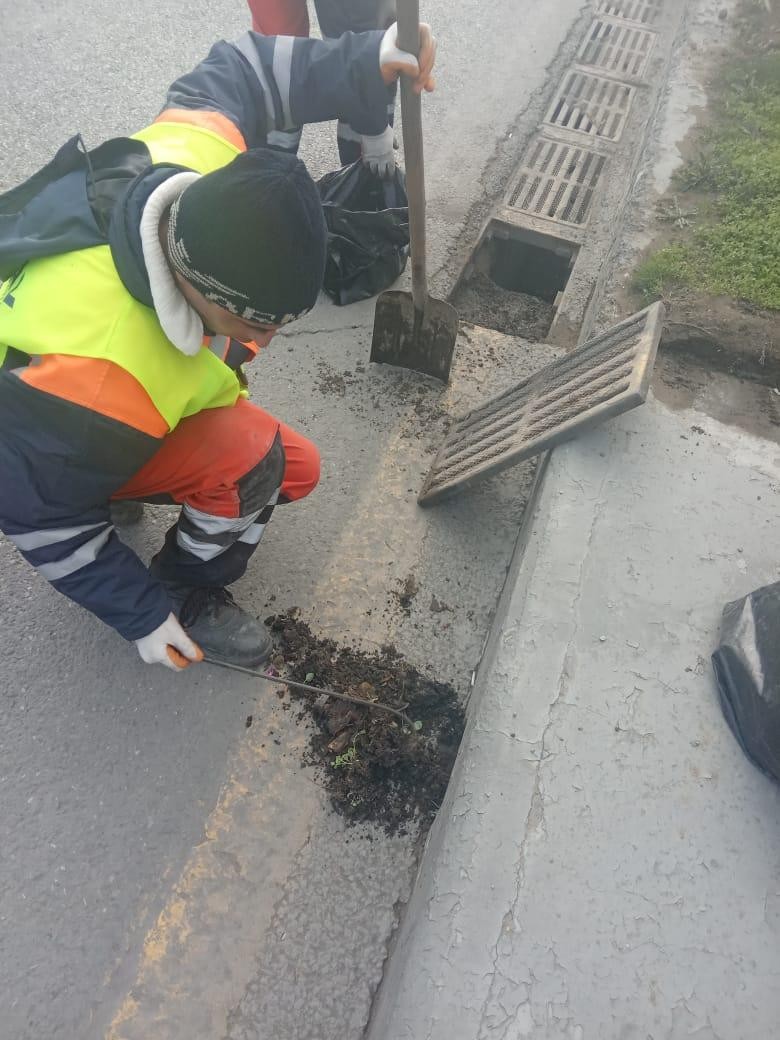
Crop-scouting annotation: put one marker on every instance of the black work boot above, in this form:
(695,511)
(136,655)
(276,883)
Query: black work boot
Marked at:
(223,631)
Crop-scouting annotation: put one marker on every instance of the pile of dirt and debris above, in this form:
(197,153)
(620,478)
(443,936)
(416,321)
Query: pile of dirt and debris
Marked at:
(479,300)
(374,767)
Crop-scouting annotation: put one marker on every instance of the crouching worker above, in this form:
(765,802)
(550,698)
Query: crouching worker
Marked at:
(136,280)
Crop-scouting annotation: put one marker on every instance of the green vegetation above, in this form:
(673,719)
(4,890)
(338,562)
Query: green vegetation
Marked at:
(729,244)
(349,758)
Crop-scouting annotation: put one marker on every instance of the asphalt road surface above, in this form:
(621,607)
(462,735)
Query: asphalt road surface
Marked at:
(110,770)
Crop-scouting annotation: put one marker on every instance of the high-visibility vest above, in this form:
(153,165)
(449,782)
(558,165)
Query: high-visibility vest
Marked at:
(75,304)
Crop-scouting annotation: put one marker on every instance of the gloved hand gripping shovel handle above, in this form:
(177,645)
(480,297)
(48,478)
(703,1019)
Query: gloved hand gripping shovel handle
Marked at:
(414,330)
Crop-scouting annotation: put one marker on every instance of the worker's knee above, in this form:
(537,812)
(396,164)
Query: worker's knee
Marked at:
(302,466)
(291,465)
(259,484)
(312,468)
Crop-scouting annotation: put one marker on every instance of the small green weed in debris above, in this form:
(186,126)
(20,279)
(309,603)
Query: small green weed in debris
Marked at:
(348,758)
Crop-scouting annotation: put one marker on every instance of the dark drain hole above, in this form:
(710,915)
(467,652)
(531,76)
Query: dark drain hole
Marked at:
(513,283)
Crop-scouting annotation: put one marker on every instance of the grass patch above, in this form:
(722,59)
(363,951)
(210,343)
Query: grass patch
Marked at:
(733,247)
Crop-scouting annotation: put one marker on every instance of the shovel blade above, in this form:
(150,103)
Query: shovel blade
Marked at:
(424,342)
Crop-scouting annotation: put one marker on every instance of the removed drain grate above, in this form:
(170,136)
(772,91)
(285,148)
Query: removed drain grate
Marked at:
(557,181)
(646,12)
(606,376)
(617,48)
(591,105)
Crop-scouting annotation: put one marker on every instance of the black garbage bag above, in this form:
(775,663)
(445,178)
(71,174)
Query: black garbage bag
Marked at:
(368,231)
(747,667)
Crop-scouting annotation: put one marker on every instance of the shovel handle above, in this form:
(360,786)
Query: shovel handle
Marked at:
(411,115)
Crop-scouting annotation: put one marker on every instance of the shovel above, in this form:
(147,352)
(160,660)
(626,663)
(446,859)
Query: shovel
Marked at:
(414,330)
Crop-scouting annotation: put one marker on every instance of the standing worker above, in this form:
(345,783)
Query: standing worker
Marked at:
(136,279)
(336,17)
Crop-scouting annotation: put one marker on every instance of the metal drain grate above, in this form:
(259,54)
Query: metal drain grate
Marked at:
(647,12)
(557,181)
(591,105)
(616,47)
(606,376)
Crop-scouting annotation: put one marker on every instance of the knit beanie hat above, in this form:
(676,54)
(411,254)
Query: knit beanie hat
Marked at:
(251,237)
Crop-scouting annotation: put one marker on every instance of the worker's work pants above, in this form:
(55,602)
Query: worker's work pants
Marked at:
(291,18)
(228,467)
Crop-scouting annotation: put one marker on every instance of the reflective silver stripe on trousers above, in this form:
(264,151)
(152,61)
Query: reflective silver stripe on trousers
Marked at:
(346,133)
(245,528)
(287,139)
(248,49)
(38,539)
(210,525)
(283,54)
(253,534)
(81,557)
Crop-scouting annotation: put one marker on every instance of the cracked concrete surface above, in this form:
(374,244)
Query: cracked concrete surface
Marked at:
(607,863)
(613,868)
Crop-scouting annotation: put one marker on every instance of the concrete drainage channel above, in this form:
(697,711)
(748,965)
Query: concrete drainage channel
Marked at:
(538,273)
(534,271)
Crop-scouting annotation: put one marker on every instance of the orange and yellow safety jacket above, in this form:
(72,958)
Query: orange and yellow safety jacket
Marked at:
(89,382)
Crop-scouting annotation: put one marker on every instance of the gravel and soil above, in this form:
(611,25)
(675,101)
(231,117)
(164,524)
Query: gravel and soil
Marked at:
(478,299)
(374,768)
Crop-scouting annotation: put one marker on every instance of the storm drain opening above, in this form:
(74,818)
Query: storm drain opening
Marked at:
(646,12)
(590,104)
(557,182)
(514,281)
(618,48)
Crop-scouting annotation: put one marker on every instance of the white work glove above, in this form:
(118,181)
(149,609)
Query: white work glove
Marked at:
(378,152)
(393,62)
(169,645)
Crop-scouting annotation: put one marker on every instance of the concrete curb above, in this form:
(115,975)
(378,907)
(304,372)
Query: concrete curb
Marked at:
(605,861)
(486,807)
(434,987)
